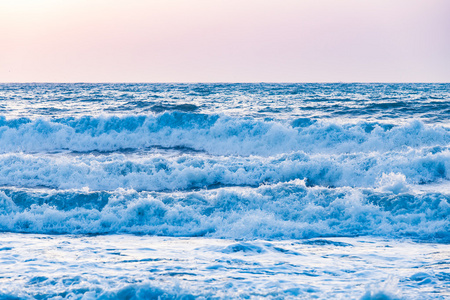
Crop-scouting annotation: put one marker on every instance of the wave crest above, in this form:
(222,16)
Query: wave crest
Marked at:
(282,211)
(216,134)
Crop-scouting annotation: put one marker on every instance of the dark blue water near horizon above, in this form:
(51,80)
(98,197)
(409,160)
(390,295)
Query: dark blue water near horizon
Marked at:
(426,101)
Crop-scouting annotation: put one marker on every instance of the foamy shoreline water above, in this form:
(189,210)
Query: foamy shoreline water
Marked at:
(129,266)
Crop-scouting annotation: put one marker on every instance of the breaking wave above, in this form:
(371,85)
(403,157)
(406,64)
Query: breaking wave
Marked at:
(215,134)
(290,210)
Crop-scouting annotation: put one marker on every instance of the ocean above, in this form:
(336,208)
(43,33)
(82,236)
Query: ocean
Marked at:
(225,191)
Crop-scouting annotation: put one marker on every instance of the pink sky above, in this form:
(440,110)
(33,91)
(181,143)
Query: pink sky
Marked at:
(224,41)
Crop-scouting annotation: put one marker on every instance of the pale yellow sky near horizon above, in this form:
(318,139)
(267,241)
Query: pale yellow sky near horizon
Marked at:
(224,41)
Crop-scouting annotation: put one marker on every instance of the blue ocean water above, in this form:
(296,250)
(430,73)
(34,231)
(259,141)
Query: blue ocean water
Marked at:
(225,191)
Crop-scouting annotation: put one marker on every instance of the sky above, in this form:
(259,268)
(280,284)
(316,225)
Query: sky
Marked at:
(224,41)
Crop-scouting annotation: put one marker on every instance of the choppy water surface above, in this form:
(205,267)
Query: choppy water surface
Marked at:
(238,190)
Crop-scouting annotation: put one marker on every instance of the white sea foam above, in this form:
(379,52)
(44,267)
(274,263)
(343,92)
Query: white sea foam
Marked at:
(170,172)
(143,267)
(218,135)
(281,211)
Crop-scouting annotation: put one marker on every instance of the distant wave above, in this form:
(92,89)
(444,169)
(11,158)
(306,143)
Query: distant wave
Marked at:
(215,134)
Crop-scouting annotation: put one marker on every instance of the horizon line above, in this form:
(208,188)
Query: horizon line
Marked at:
(225,82)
